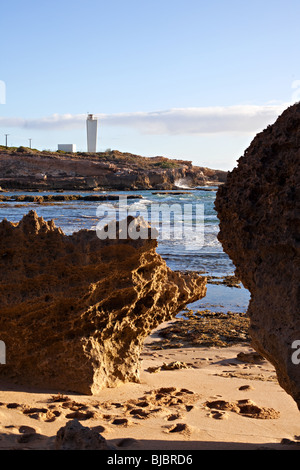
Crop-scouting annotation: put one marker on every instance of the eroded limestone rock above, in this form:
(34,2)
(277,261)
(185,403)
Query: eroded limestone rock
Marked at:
(259,216)
(75,310)
(74,436)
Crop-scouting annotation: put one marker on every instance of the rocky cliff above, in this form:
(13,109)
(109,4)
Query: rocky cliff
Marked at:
(24,168)
(259,212)
(75,309)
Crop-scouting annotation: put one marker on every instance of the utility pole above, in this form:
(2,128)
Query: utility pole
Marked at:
(6,135)
(30,143)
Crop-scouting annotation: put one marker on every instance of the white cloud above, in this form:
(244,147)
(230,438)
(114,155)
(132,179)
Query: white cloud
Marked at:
(195,121)
(209,120)
(56,121)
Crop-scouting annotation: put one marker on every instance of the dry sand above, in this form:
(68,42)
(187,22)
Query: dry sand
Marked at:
(211,401)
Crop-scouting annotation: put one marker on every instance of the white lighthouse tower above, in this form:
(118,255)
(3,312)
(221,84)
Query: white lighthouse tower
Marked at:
(91,127)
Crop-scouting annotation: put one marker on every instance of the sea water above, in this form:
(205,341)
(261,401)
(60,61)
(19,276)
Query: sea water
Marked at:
(197,250)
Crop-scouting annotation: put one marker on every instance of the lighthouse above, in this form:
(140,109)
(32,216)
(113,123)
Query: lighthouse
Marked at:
(91,128)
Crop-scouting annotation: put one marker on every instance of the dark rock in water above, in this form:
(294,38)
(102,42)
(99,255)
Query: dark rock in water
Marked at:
(75,310)
(259,212)
(68,197)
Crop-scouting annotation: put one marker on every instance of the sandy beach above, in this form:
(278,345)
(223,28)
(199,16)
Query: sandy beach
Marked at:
(190,398)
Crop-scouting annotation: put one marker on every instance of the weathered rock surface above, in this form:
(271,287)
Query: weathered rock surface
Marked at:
(31,169)
(259,214)
(75,309)
(74,436)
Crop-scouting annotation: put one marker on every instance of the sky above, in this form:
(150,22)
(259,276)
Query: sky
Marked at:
(192,79)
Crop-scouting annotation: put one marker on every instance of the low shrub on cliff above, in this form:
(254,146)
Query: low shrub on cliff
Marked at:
(166,164)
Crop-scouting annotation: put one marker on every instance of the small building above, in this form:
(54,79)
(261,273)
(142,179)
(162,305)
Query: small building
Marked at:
(70,148)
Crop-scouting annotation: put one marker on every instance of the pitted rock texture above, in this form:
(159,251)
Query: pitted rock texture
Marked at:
(75,309)
(74,436)
(259,212)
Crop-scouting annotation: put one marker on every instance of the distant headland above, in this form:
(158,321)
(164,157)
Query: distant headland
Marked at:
(22,168)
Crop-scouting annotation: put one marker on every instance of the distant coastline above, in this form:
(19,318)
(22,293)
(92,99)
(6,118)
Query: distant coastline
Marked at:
(28,169)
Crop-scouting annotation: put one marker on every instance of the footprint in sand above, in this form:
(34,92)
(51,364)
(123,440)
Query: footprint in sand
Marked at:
(155,402)
(244,407)
(121,422)
(189,408)
(172,396)
(250,409)
(59,398)
(175,365)
(106,417)
(79,411)
(81,415)
(12,406)
(246,388)
(173,417)
(181,428)
(57,405)
(43,414)
(160,400)
(139,413)
(218,414)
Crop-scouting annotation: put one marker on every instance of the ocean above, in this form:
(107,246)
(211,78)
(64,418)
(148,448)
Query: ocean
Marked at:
(187,225)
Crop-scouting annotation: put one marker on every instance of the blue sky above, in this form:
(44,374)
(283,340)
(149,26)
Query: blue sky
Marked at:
(186,79)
